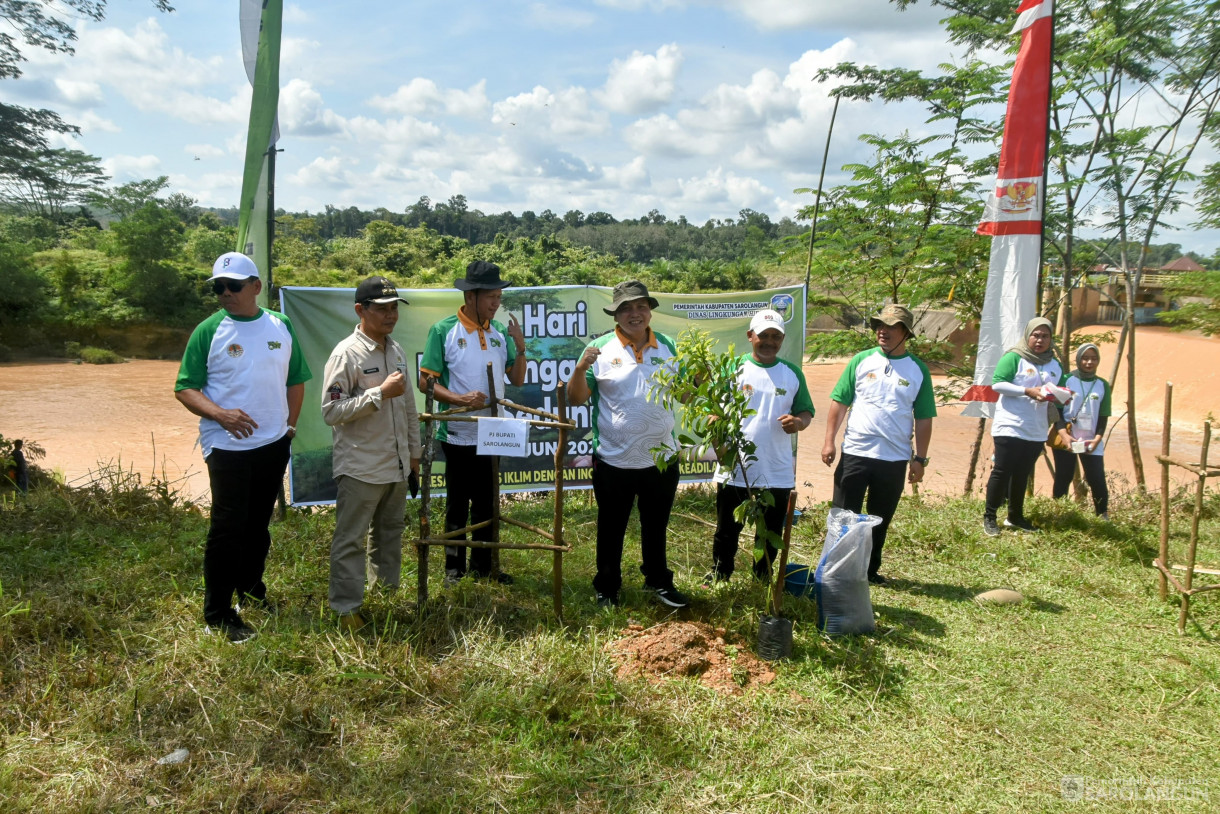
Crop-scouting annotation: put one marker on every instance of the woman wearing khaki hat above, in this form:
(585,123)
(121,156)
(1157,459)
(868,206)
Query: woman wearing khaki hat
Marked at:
(616,372)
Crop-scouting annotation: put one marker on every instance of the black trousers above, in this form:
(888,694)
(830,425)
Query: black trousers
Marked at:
(883,481)
(616,491)
(470,499)
(1015,459)
(1094,467)
(728,530)
(244,487)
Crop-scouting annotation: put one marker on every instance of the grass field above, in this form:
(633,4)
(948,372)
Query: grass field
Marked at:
(482,701)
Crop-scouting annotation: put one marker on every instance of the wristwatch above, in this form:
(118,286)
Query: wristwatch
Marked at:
(920,461)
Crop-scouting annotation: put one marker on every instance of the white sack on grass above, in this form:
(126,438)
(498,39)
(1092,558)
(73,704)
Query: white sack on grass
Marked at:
(841,580)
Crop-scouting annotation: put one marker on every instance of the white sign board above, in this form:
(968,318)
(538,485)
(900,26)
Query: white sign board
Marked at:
(504,436)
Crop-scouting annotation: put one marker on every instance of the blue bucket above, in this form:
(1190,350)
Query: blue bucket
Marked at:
(798,579)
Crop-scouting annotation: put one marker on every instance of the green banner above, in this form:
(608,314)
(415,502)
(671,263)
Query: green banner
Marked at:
(253,235)
(558,322)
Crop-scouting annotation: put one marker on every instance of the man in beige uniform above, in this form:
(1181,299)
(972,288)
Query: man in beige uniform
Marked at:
(376,448)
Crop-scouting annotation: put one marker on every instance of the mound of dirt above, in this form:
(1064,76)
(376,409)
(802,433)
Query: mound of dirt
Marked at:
(690,650)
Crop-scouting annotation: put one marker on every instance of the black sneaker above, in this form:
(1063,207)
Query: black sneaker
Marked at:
(1021,524)
(990,528)
(670,596)
(714,578)
(877,579)
(233,628)
(453,577)
(607,600)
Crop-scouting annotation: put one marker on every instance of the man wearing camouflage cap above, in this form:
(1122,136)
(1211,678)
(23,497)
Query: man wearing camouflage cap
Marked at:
(889,393)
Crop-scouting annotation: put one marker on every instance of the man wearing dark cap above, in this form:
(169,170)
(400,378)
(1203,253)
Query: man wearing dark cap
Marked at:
(244,375)
(616,372)
(889,393)
(456,353)
(376,449)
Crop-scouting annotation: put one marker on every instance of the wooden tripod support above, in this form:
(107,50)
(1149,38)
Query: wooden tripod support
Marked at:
(554,538)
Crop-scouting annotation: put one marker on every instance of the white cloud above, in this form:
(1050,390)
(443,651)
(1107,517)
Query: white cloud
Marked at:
(400,135)
(633,175)
(154,75)
(303,113)
(567,113)
(663,136)
(731,108)
(642,82)
(78,93)
(124,168)
(327,172)
(420,96)
(855,15)
(295,15)
(718,187)
(90,122)
(203,151)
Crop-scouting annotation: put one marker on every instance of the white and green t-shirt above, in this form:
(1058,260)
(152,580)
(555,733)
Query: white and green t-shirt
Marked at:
(1019,416)
(457,351)
(886,394)
(626,425)
(775,390)
(245,363)
(1090,403)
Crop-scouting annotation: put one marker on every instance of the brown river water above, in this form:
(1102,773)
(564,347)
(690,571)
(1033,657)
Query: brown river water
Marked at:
(91,418)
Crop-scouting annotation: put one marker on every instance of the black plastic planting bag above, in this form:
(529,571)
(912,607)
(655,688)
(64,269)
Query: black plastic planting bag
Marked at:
(841,581)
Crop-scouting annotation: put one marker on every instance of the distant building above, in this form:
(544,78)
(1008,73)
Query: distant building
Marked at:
(1150,299)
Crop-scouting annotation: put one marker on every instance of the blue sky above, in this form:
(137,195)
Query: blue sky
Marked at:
(693,107)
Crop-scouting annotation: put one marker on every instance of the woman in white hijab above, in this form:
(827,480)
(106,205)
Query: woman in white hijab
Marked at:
(1020,424)
(1088,412)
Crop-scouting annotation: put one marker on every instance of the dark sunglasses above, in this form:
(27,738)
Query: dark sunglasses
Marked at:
(219,286)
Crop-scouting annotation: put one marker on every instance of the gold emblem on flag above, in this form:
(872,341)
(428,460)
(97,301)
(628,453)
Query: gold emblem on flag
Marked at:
(1018,197)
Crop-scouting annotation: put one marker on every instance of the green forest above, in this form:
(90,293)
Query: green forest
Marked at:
(87,263)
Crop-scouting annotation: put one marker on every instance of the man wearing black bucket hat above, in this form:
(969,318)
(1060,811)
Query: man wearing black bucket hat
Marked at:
(889,393)
(456,353)
(616,372)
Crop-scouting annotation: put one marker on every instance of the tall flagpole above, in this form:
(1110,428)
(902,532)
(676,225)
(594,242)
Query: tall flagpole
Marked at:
(1014,212)
(261,25)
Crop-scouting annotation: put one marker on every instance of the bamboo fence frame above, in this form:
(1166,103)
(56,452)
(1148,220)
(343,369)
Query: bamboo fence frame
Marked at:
(555,538)
(1184,587)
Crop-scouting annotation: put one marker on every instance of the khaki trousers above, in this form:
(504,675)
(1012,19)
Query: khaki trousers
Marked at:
(357,555)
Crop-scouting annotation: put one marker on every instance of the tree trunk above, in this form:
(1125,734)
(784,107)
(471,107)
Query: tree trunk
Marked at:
(975,448)
(1133,438)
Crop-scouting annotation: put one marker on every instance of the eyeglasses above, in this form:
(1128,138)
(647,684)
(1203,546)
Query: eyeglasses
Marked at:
(219,286)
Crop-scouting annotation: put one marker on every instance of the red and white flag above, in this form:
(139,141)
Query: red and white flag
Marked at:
(1013,213)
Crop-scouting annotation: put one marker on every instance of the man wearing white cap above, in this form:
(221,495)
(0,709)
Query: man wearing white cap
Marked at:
(889,394)
(244,375)
(782,407)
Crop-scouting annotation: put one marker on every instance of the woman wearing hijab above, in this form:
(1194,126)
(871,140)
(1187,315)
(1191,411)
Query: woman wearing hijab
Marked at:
(1020,424)
(1088,412)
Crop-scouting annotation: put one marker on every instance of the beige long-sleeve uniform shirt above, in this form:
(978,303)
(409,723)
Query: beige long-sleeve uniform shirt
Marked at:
(375,438)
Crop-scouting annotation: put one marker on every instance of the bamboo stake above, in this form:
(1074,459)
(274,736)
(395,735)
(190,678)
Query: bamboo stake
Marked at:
(495,473)
(561,397)
(425,503)
(1194,529)
(777,589)
(1165,427)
